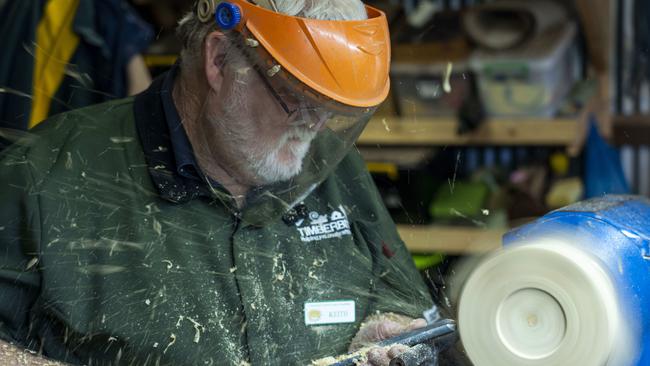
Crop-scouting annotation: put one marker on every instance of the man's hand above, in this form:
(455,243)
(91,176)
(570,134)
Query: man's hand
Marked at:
(378,328)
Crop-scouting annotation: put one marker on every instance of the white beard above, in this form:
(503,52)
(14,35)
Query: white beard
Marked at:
(260,161)
(285,160)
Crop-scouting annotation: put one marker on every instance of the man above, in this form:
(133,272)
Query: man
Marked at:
(221,217)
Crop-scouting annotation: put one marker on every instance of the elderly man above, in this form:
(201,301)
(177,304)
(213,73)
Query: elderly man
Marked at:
(219,218)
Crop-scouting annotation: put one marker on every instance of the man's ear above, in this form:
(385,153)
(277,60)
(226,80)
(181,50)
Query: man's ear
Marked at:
(215,51)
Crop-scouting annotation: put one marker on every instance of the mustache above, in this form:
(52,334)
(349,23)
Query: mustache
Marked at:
(300,133)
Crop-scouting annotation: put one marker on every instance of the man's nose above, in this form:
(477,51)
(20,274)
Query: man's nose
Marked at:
(320,125)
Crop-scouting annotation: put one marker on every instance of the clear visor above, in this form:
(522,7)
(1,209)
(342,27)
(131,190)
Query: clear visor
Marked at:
(299,109)
(314,135)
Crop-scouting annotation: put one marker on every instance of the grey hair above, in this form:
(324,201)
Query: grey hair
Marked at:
(192,31)
(323,9)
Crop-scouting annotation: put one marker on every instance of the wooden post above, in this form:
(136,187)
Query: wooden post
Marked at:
(597,18)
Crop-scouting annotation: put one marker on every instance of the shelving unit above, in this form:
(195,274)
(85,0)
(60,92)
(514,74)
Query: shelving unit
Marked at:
(392,132)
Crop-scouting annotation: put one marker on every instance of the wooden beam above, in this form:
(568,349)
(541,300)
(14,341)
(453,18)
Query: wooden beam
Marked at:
(598,24)
(450,239)
(393,131)
(597,21)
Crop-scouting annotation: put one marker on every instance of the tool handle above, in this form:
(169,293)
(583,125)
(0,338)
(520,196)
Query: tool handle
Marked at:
(422,335)
(443,331)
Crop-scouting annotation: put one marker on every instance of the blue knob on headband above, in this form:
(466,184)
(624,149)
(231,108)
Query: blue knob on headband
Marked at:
(227,15)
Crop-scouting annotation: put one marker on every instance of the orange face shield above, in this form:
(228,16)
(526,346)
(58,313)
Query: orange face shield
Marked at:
(328,77)
(345,61)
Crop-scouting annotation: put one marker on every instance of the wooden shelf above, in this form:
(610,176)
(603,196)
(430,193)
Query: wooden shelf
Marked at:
(444,132)
(450,239)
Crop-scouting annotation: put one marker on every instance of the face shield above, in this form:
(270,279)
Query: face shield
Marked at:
(326,79)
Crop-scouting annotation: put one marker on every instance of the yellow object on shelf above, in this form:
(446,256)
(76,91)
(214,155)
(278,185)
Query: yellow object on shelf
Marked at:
(384,168)
(450,239)
(560,163)
(565,192)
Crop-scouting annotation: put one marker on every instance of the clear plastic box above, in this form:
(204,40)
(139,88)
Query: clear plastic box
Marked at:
(532,80)
(418,89)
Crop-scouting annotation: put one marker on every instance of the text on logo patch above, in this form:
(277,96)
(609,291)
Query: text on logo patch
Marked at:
(326,226)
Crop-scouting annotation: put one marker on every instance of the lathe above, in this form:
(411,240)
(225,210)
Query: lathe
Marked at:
(569,289)
(572,288)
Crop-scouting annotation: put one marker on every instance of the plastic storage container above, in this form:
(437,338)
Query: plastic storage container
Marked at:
(418,89)
(532,80)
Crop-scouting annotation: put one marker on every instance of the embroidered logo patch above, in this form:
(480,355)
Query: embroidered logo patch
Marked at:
(324,226)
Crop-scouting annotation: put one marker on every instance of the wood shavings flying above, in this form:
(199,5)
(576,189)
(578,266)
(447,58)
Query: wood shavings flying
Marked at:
(172,340)
(446,86)
(361,354)
(385,124)
(198,328)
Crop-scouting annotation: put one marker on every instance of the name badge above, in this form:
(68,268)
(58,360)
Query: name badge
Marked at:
(329,312)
